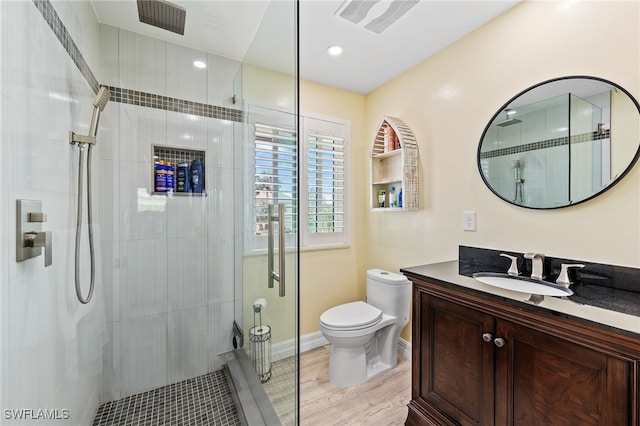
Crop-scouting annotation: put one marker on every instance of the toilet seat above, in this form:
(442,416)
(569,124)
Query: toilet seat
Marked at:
(351,316)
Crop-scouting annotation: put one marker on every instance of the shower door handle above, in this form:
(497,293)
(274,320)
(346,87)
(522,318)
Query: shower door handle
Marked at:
(273,275)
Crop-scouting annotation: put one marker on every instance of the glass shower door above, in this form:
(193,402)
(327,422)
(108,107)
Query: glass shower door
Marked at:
(267,258)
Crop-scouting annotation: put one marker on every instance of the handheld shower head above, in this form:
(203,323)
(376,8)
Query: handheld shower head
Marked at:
(99,102)
(102,98)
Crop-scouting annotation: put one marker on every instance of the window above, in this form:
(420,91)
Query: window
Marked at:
(318,189)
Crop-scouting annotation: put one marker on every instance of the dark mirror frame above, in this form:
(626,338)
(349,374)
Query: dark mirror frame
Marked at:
(502,109)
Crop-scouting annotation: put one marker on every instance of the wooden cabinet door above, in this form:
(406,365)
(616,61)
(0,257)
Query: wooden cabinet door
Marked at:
(456,377)
(544,380)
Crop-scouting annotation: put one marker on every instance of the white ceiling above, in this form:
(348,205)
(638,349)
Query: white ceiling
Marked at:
(228,28)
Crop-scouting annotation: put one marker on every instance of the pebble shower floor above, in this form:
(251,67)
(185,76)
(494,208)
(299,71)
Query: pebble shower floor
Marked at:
(201,401)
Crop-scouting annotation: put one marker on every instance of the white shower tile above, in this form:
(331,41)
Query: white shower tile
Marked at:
(221,272)
(111,366)
(221,200)
(110,261)
(187,81)
(128,131)
(187,216)
(109,48)
(187,344)
(143,63)
(151,130)
(143,280)
(151,213)
(220,143)
(106,200)
(143,354)
(22,359)
(187,264)
(222,73)
(186,131)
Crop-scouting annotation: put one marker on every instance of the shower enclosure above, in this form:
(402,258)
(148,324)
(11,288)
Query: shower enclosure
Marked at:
(176,274)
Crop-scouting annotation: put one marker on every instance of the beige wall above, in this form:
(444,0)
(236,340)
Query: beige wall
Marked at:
(447,101)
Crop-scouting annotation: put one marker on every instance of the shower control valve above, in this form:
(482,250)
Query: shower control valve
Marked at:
(30,239)
(40,239)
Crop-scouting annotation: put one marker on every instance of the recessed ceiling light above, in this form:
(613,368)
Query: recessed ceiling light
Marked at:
(199,64)
(335,50)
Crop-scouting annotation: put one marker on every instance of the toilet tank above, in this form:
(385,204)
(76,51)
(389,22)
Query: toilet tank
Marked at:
(389,292)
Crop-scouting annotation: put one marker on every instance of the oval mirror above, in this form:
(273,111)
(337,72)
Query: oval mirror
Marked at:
(560,142)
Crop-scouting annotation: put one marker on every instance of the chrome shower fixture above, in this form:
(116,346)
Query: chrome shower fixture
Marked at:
(509,120)
(99,102)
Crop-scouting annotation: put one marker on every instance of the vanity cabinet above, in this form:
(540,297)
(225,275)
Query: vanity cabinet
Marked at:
(394,166)
(479,360)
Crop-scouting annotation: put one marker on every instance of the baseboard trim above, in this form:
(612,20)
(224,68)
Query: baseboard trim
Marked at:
(315,340)
(404,348)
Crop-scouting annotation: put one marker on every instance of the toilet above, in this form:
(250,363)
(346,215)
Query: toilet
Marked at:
(364,336)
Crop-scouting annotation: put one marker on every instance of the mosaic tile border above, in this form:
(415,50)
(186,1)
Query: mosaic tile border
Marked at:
(144,99)
(549,143)
(126,96)
(57,26)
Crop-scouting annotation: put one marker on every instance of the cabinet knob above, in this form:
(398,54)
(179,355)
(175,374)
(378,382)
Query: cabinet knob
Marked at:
(487,337)
(499,342)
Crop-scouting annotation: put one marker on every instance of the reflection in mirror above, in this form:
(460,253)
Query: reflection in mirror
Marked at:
(560,142)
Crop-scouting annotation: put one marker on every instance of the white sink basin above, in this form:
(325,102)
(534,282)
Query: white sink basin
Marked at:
(522,284)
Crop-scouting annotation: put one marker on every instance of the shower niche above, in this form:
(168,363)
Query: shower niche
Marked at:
(394,167)
(178,171)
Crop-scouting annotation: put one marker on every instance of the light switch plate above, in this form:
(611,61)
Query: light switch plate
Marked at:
(468,221)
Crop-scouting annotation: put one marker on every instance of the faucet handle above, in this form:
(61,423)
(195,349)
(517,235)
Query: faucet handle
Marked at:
(563,278)
(513,269)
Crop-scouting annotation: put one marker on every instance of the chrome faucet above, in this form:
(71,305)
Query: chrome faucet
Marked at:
(537,265)
(513,269)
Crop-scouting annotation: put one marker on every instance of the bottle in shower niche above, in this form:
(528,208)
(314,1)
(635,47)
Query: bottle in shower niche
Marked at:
(160,177)
(393,199)
(182,178)
(170,171)
(400,198)
(197,176)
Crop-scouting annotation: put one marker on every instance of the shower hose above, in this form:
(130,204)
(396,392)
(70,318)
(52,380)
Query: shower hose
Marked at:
(83,300)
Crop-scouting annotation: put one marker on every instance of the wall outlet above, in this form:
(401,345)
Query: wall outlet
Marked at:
(468,221)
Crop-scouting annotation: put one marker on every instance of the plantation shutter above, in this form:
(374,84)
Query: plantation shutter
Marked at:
(325,170)
(275,178)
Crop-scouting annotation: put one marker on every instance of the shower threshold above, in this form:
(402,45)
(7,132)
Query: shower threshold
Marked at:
(256,408)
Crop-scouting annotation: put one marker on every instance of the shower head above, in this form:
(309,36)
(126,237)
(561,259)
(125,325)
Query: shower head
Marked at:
(99,103)
(162,14)
(102,98)
(509,121)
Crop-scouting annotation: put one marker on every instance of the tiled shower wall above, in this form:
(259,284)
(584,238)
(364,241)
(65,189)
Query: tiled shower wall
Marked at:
(170,306)
(165,269)
(50,344)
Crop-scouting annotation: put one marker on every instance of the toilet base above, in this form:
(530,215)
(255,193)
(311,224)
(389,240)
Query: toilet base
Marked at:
(350,367)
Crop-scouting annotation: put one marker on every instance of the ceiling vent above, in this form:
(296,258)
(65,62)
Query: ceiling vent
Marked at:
(162,14)
(356,11)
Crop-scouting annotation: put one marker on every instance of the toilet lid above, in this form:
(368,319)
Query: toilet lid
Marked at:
(351,315)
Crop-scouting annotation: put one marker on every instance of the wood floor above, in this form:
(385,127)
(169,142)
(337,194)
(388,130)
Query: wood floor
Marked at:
(381,401)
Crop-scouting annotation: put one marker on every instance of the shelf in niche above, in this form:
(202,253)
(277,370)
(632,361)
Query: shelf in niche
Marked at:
(177,155)
(181,194)
(397,168)
(388,154)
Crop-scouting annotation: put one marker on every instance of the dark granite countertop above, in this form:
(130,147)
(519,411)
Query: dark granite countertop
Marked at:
(601,305)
